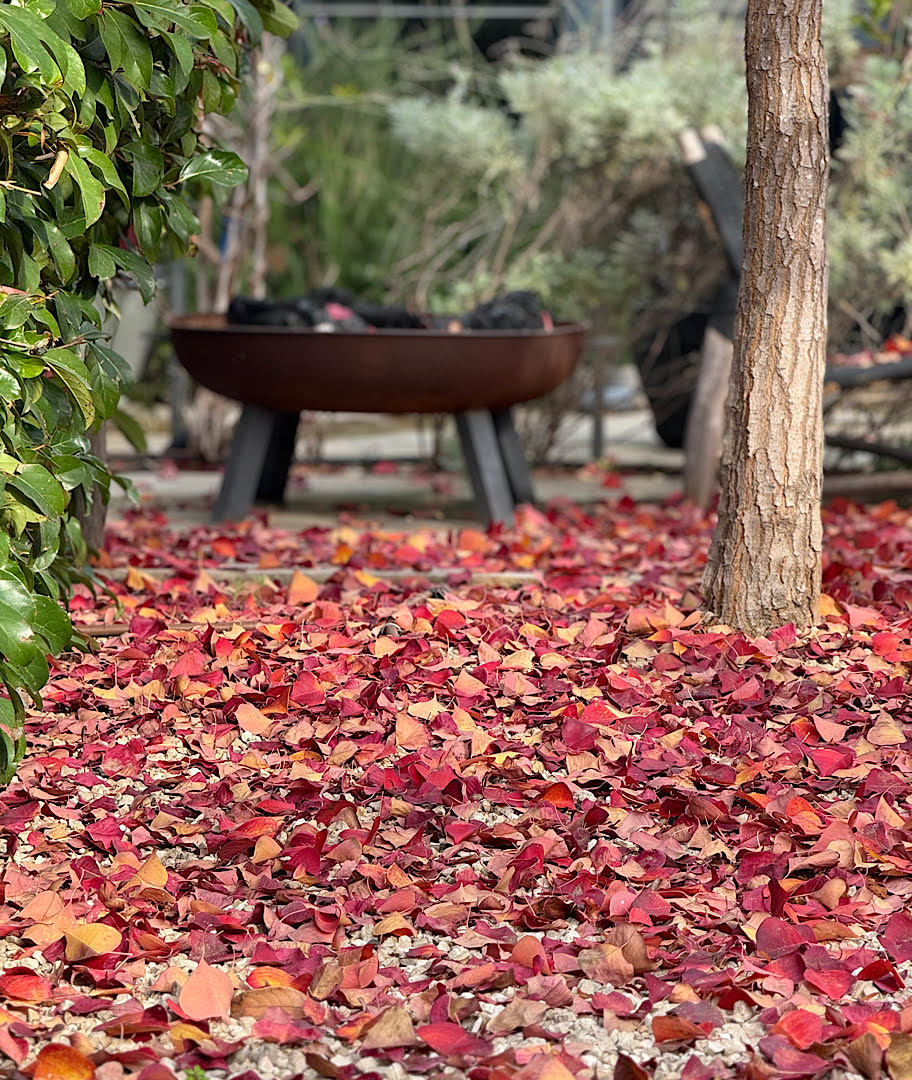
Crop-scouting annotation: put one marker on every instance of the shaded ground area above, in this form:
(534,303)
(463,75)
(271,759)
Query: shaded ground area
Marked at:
(514,813)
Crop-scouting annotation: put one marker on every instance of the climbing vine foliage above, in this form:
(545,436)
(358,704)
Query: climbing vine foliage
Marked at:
(101,107)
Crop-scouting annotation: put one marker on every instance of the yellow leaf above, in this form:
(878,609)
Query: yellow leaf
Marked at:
(91,939)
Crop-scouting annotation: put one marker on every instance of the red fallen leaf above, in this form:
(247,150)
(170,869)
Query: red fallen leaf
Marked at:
(558,795)
(897,937)
(451,1041)
(392,1028)
(885,642)
(792,1062)
(192,662)
(22,984)
(250,718)
(60,1062)
(578,736)
(206,994)
(803,1028)
(834,982)
(675,1029)
(15,1048)
(776,937)
(883,974)
(625,1068)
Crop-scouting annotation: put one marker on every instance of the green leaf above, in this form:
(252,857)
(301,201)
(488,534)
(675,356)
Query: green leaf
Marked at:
(250,17)
(90,190)
(27,45)
(162,14)
(17,608)
(30,35)
(130,430)
(73,373)
(148,167)
(221,167)
(147,224)
(15,311)
(126,46)
(40,488)
(136,266)
(82,9)
(281,20)
(101,264)
(61,251)
(106,169)
(52,623)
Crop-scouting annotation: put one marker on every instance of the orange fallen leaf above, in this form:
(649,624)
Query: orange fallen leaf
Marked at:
(250,718)
(152,873)
(302,589)
(43,907)
(60,1062)
(268,976)
(206,994)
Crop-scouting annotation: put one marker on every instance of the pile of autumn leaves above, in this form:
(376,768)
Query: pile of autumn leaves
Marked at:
(520,816)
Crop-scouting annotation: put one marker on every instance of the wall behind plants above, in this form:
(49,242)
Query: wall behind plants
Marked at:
(99,138)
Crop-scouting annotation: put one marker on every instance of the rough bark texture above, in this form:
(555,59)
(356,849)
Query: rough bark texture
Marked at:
(764,562)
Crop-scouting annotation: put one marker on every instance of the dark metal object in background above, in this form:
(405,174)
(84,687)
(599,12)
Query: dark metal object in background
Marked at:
(425,371)
(278,372)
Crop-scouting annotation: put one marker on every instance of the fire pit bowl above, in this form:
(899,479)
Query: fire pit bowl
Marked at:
(279,372)
(290,369)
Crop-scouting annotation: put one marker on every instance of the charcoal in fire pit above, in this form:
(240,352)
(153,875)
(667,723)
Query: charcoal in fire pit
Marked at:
(244,311)
(513,311)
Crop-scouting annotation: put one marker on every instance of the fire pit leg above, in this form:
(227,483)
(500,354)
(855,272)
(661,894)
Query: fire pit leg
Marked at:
(485,464)
(279,457)
(514,457)
(245,463)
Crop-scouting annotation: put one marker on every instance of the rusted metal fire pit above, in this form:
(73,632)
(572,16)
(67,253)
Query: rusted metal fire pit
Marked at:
(278,372)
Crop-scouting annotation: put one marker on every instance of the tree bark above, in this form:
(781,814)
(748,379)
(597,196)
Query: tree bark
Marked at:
(763,568)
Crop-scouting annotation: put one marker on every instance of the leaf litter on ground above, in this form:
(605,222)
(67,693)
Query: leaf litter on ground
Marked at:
(378,826)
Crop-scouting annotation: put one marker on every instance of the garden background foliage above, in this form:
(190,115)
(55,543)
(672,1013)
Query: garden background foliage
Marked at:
(99,141)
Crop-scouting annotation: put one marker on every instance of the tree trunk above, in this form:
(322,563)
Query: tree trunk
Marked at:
(763,568)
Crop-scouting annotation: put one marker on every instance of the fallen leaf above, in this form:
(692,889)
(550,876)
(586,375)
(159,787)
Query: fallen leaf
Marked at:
(207,993)
(250,719)
(256,1002)
(91,939)
(392,1028)
(60,1062)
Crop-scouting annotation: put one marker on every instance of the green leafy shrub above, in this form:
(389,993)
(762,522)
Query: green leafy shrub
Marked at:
(99,134)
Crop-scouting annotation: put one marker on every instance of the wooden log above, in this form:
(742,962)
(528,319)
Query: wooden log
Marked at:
(706,419)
